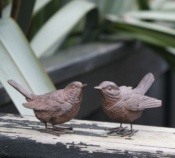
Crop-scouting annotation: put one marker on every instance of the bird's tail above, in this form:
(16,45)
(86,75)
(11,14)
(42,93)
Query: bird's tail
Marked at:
(19,88)
(145,84)
(157,103)
(148,102)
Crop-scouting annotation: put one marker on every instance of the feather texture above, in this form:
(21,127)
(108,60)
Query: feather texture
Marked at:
(144,84)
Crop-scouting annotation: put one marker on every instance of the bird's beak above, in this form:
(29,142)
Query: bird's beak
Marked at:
(98,87)
(84,85)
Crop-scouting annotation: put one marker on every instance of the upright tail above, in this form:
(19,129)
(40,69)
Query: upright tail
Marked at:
(144,84)
(19,88)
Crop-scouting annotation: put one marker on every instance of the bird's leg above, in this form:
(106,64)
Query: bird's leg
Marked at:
(117,130)
(62,128)
(45,123)
(51,131)
(129,133)
(122,129)
(132,131)
(56,130)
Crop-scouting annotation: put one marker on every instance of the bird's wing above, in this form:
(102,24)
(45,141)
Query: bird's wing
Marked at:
(140,102)
(48,102)
(125,88)
(42,106)
(144,84)
(125,92)
(57,96)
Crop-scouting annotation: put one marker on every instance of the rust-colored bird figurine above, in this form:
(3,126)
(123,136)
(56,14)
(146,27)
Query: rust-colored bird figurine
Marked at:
(125,104)
(56,107)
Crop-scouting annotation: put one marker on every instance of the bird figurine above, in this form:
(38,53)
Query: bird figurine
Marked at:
(126,104)
(56,107)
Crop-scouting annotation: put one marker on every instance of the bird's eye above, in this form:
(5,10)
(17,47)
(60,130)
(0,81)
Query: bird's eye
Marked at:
(73,86)
(110,88)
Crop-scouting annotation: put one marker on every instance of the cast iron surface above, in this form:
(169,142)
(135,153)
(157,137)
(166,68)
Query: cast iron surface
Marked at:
(55,107)
(125,104)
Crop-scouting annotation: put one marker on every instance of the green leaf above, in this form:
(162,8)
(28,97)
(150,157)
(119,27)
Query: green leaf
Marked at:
(42,15)
(55,31)
(148,32)
(168,6)
(169,57)
(157,4)
(153,15)
(18,62)
(39,5)
(115,7)
(143,4)
(6,11)
(91,26)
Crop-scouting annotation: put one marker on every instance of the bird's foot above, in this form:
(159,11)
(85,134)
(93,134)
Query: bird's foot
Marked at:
(63,128)
(117,130)
(51,131)
(129,133)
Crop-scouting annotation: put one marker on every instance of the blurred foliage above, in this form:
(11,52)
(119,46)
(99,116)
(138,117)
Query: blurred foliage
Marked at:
(43,15)
(18,61)
(52,34)
(150,21)
(59,24)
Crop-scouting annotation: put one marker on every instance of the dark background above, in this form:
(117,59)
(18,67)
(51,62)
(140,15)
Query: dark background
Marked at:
(125,64)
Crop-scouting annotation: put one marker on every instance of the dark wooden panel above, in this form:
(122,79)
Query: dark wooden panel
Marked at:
(172,100)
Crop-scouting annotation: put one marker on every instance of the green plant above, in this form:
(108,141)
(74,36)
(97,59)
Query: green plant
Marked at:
(153,24)
(63,23)
(18,62)
(59,26)
(135,19)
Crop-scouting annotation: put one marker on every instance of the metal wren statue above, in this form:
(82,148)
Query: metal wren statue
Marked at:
(125,104)
(56,107)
